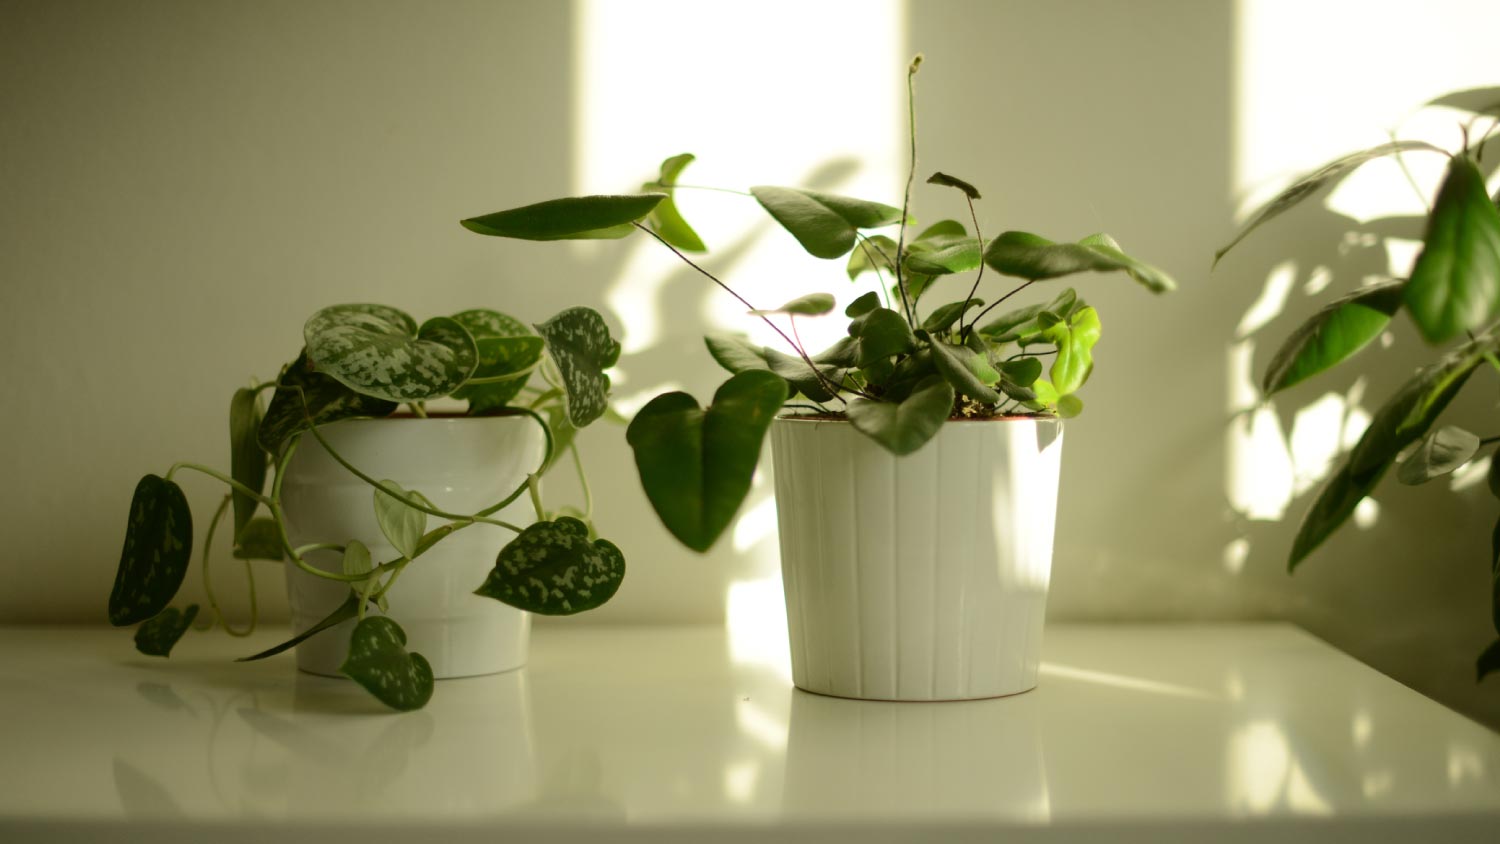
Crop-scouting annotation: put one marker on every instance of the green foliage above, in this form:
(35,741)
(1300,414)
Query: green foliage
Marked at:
(380,353)
(826,225)
(555,568)
(1439,453)
(579,342)
(813,304)
(665,219)
(507,351)
(160,634)
(401,523)
(1455,285)
(158,545)
(247,463)
(906,426)
(572,218)
(1333,334)
(378,660)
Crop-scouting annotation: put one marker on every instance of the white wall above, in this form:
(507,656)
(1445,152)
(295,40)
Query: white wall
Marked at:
(181,183)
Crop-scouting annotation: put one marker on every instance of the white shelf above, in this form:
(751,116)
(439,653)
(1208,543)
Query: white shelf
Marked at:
(1150,733)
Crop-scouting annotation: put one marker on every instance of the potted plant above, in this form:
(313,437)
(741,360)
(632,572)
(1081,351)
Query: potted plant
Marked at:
(1452,296)
(345,508)
(916,459)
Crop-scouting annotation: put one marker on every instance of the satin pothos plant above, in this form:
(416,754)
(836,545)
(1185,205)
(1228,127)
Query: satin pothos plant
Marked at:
(1452,296)
(362,361)
(914,356)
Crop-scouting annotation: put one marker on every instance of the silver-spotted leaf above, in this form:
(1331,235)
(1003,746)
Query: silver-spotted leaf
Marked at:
(160,634)
(507,349)
(158,545)
(555,568)
(303,393)
(570,218)
(377,355)
(379,662)
(579,342)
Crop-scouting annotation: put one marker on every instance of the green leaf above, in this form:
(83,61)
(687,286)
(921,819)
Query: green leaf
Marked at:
(377,354)
(1069,406)
(378,661)
(1022,372)
(966,370)
(552,568)
(260,540)
(876,253)
(696,464)
(813,304)
(960,257)
(247,463)
(1488,662)
(1310,183)
(159,634)
(665,219)
(158,545)
(880,333)
(401,523)
(905,427)
(953,182)
(940,234)
(1439,453)
(1493,476)
(825,224)
(1075,342)
(505,347)
(572,218)
(1030,256)
(1022,322)
(563,433)
(863,305)
(1402,420)
(735,352)
(942,319)
(326,401)
(345,611)
(801,377)
(1455,284)
(356,558)
(580,345)
(1152,278)
(1332,335)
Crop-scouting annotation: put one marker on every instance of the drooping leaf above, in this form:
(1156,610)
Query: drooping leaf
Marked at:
(1439,453)
(1033,257)
(1075,341)
(801,378)
(580,344)
(1309,184)
(953,182)
(1488,662)
(940,234)
(877,252)
(1473,100)
(506,347)
(1333,334)
(735,352)
(813,304)
(1150,277)
(378,355)
(342,613)
(158,545)
(905,427)
(863,305)
(959,257)
(880,333)
(966,370)
(943,318)
(825,224)
(554,568)
(326,399)
(260,540)
(571,218)
(401,523)
(1455,283)
(695,463)
(159,634)
(379,662)
(247,463)
(665,219)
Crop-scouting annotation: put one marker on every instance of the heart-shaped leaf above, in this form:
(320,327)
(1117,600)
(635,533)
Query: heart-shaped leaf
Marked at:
(876,253)
(1069,406)
(578,341)
(966,370)
(378,661)
(905,427)
(159,634)
(696,464)
(1439,453)
(1075,342)
(158,545)
(571,218)
(374,354)
(801,378)
(326,400)
(863,305)
(813,304)
(735,352)
(1333,334)
(554,568)
(247,463)
(825,224)
(940,234)
(880,333)
(942,319)
(953,182)
(960,257)
(665,219)
(260,540)
(1021,372)
(401,523)
(507,349)
(1455,284)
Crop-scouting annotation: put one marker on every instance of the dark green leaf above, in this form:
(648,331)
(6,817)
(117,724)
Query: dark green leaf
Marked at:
(553,568)
(813,304)
(1455,284)
(966,370)
(1029,256)
(916,285)
(247,463)
(942,319)
(579,217)
(158,545)
(905,427)
(1022,372)
(863,305)
(1493,476)
(506,347)
(825,224)
(1310,183)
(959,257)
(881,333)
(260,540)
(326,401)
(1439,453)
(1488,662)
(379,355)
(378,661)
(580,344)
(875,253)
(665,219)
(345,611)
(801,377)
(696,464)
(1333,334)
(401,523)
(953,182)
(1152,278)
(157,636)
(736,353)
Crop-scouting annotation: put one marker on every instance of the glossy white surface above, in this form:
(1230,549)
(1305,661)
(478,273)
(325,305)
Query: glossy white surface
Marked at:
(1184,733)
(462,465)
(921,577)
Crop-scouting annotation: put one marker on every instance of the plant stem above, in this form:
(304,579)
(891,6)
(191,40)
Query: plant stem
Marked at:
(208,588)
(705,187)
(867,246)
(583,481)
(417,409)
(220,476)
(536,498)
(964,330)
(911,174)
(1002,299)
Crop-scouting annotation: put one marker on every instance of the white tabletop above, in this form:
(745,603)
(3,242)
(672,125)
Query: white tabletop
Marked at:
(1150,733)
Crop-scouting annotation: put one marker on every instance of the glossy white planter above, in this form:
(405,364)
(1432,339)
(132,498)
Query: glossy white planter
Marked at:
(462,465)
(921,577)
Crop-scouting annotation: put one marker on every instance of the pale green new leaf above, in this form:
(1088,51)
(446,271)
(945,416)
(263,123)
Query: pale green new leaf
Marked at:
(401,523)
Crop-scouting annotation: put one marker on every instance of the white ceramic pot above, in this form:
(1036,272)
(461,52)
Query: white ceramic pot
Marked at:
(462,465)
(921,577)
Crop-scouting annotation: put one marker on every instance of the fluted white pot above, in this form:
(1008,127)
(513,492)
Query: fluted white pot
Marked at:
(462,465)
(921,577)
